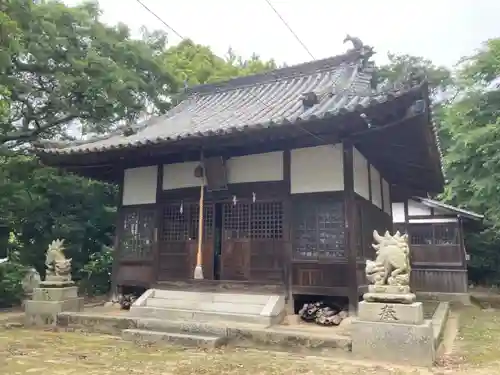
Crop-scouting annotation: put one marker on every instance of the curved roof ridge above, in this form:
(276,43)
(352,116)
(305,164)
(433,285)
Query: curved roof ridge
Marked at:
(302,69)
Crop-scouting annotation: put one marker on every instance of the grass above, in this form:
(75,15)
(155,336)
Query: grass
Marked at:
(479,338)
(25,351)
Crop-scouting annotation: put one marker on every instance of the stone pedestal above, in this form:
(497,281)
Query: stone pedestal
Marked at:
(393,332)
(51,298)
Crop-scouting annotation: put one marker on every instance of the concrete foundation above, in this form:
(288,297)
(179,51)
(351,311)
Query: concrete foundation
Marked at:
(47,302)
(394,333)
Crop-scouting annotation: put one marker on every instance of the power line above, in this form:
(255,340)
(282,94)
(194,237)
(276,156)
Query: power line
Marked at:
(160,19)
(290,28)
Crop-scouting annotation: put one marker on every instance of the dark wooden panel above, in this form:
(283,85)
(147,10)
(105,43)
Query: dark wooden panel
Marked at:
(235,259)
(267,260)
(322,279)
(173,261)
(436,255)
(371,218)
(135,274)
(360,274)
(439,280)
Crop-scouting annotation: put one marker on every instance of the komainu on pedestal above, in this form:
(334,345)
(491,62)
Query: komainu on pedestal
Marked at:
(389,273)
(390,325)
(58,266)
(57,293)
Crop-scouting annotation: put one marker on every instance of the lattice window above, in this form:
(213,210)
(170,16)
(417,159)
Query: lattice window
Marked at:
(259,220)
(266,220)
(319,229)
(434,234)
(236,220)
(175,223)
(445,234)
(138,233)
(208,221)
(421,234)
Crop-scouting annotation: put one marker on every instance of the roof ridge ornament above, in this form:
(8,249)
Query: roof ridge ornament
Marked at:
(365,51)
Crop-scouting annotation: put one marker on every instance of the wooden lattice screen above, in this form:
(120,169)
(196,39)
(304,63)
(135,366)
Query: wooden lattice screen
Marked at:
(319,229)
(180,221)
(138,233)
(259,220)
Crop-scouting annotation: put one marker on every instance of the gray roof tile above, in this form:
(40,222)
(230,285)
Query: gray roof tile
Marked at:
(264,100)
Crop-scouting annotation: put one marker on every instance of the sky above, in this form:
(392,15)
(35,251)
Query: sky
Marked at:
(441,30)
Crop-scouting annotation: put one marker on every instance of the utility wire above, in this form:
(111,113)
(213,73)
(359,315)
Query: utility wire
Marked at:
(290,29)
(160,19)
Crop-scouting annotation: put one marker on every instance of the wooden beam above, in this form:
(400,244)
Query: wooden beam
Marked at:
(350,224)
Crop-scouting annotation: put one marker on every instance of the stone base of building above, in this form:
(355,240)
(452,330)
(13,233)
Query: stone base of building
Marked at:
(47,302)
(394,333)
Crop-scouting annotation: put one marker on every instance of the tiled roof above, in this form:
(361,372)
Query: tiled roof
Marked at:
(271,99)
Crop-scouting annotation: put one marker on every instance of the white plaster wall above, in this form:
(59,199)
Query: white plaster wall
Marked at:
(180,175)
(139,185)
(417,209)
(398,212)
(254,168)
(376,187)
(316,169)
(386,193)
(361,178)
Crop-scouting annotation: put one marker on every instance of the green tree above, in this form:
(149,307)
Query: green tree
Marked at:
(196,64)
(439,78)
(60,65)
(41,204)
(472,160)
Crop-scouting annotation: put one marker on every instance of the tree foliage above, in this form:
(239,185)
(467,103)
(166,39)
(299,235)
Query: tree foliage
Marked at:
(195,64)
(41,204)
(60,64)
(472,158)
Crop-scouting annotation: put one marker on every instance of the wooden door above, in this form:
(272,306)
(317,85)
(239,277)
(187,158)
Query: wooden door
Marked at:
(179,241)
(207,249)
(253,242)
(172,255)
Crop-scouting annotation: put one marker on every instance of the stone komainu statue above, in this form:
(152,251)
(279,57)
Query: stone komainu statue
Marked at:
(392,264)
(58,267)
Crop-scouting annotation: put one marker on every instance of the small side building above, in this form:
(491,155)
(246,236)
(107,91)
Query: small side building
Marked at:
(436,235)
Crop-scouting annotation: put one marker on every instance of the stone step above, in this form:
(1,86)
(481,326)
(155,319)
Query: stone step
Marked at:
(201,316)
(184,339)
(250,299)
(162,325)
(188,304)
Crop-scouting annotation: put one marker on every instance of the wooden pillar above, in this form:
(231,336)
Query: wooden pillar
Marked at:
(118,235)
(288,234)
(158,226)
(350,225)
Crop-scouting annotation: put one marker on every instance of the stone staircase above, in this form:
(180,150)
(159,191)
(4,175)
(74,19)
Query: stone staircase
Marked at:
(202,319)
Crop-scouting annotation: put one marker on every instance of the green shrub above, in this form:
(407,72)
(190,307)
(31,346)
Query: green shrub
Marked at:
(96,273)
(12,273)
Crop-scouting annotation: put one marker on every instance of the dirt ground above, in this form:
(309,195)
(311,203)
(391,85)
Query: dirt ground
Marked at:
(23,351)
